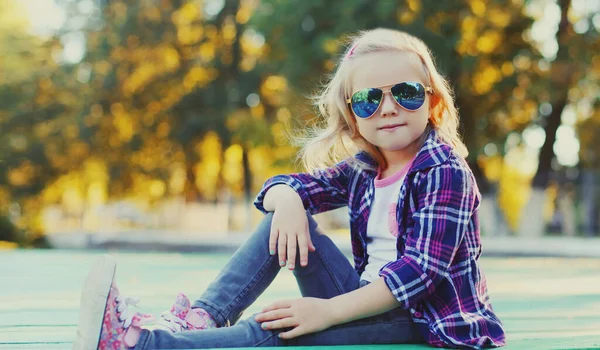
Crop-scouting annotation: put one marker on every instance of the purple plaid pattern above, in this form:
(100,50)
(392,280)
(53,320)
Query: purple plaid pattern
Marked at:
(437,275)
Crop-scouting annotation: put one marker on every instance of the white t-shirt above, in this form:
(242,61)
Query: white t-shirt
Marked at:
(382,227)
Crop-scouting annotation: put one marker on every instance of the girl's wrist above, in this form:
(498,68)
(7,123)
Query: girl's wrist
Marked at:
(336,306)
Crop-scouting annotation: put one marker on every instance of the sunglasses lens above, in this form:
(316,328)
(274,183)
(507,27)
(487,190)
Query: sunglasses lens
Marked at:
(365,102)
(409,95)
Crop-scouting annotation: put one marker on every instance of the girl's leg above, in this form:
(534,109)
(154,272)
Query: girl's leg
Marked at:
(329,272)
(243,279)
(245,333)
(252,269)
(393,327)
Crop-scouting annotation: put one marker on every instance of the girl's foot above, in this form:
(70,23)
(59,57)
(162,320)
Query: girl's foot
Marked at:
(182,317)
(104,320)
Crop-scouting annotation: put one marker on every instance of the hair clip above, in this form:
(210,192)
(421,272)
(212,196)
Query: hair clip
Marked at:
(350,52)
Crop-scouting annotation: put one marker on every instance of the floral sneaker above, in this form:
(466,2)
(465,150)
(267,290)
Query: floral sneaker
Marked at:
(182,317)
(105,322)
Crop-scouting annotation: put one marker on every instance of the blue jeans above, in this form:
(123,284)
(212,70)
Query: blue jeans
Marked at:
(251,270)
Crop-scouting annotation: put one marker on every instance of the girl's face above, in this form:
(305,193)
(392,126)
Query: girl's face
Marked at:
(395,130)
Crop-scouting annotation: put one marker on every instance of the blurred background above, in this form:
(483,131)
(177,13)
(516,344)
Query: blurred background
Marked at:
(137,118)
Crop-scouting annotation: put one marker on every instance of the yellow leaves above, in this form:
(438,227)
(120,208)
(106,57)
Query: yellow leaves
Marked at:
(469,26)
(414,5)
(331,46)
(102,67)
(208,170)
(489,41)
(207,52)
(507,69)
(151,13)
(163,129)
(233,171)
(477,7)
(245,12)
(405,17)
(228,31)
(22,175)
(152,62)
(189,35)
(499,17)
(122,122)
(274,89)
(177,179)
(199,76)
(170,58)
(485,77)
(70,132)
(482,33)
(407,14)
(185,15)
(184,18)
(157,188)
(78,150)
(492,167)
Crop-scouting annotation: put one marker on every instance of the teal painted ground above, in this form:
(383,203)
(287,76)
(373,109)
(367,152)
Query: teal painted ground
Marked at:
(545,303)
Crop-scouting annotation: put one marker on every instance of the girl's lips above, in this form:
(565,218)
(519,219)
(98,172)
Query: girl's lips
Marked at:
(391,127)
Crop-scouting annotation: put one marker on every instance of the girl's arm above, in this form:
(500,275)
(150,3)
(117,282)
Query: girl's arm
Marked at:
(323,190)
(372,299)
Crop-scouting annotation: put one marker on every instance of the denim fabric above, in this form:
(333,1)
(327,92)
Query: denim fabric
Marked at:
(251,270)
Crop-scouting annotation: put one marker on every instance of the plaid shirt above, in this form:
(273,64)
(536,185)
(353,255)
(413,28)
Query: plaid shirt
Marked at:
(436,275)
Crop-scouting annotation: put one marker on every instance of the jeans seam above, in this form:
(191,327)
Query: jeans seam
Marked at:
(329,269)
(266,339)
(249,287)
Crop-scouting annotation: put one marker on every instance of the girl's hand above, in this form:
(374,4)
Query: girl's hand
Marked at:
(289,233)
(306,315)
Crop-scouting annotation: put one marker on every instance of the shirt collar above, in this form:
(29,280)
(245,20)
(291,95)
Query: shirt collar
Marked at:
(433,152)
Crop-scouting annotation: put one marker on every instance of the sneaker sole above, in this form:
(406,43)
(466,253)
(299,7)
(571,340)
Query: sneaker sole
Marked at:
(93,303)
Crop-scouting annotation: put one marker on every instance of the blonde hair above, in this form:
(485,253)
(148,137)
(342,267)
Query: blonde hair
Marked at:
(339,137)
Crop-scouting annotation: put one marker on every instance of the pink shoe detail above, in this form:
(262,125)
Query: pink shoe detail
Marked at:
(182,317)
(105,322)
(119,329)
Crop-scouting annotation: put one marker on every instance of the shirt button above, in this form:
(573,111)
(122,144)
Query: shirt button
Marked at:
(418,314)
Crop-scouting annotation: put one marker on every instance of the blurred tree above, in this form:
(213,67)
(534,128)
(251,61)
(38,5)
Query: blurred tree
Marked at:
(575,53)
(477,44)
(35,115)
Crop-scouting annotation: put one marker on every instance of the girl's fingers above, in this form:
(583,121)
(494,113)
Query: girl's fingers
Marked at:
(297,331)
(281,304)
(291,250)
(273,315)
(282,248)
(311,246)
(282,323)
(303,249)
(273,240)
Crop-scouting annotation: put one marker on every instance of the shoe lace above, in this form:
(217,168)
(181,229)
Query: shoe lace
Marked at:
(172,322)
(124,314)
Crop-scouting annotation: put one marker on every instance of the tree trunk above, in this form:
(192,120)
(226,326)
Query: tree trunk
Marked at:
(247,188)
(589,203)
(563,74)
(190,190)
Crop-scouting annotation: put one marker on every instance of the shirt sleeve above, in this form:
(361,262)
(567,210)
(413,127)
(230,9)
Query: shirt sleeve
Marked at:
(322,190)
(447,198)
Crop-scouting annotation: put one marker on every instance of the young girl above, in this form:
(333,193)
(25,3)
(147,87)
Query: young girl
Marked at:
(413,205)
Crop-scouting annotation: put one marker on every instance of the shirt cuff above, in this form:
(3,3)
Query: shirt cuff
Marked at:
(295,184)
(407,281)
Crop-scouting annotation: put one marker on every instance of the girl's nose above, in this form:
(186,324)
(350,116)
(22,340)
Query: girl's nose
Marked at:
(388,107)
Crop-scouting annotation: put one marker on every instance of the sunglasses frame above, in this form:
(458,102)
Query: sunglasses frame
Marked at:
(388,89)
